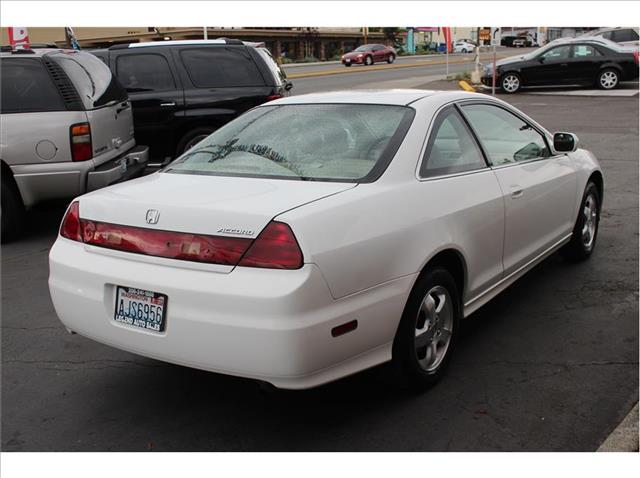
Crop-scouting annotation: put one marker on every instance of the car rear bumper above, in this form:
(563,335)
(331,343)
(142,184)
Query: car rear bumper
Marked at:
(270,325)
(40,182)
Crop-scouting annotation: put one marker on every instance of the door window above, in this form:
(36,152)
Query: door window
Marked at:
(557,53)
(505,137)
(144,72)
(451,147)
(218,67)
(585,51)
(27,87)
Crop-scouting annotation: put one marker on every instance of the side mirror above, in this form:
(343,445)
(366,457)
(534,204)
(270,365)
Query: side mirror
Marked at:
(565,142)
(288,85)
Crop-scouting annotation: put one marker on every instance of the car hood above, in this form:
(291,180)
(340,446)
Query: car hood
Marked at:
(203,204)
(507,61)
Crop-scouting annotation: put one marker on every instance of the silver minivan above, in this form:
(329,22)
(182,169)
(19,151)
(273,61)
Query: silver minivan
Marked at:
(66,128)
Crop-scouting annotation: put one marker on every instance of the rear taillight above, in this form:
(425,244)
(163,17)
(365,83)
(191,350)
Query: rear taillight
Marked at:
(81,147)
(174,245)
(275,248)
(70,227)
(274,97)
(635,56)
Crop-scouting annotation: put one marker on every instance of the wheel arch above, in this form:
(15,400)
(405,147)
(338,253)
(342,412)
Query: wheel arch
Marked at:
(598,180)
(454,262)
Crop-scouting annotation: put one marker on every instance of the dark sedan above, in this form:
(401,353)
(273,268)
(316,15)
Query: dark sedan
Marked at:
(369,54)
(576,61)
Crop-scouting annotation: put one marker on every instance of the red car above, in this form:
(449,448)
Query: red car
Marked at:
(369,54)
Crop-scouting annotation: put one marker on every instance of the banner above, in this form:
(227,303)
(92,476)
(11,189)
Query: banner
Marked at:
(448,39)
(18,38)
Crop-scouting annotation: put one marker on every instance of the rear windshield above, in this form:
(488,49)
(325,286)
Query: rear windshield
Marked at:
(93,80)
(319,142)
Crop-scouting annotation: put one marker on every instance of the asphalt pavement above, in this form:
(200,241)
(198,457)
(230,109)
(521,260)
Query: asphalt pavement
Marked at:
(551,364)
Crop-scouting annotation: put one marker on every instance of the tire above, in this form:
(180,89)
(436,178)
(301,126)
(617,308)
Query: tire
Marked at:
(464,50)
(12,211)
(347,64)
(391,59)
(191,138)
(510,83)
(368,60)
(585,231)
(608,79)
(417,366)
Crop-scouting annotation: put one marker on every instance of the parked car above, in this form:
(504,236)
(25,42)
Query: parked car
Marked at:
(182,91)
(298,258)
(66,129)
(577,61)
(507,41)
(463,47)
(369,54)
(623,36)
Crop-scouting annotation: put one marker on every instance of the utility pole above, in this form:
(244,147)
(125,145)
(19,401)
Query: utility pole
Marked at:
(365,32)
(206,33)
(493,79)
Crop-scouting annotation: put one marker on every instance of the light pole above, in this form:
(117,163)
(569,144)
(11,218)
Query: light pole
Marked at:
(493,79)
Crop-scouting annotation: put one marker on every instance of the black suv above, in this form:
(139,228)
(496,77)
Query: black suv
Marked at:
(181,91)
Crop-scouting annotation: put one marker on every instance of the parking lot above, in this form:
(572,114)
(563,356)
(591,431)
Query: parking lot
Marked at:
(551,364)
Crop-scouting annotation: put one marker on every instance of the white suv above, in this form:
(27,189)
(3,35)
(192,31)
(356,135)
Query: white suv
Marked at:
(67,128)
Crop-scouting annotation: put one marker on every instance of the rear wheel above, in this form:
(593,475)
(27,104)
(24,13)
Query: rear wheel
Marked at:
(368,60)
(585,231)
(11,210)
(510,83)
(608,79)
(427,331)
(192,138)
(391,59)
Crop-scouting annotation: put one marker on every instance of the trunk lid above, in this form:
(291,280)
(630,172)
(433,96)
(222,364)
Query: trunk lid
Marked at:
(202,204)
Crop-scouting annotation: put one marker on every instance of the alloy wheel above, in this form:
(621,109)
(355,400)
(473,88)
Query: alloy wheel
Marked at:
(511,83)
(590,216)
(434,327)
(608,79)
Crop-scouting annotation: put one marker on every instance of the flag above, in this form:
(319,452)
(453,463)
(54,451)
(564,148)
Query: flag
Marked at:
(448,39)
(18,37)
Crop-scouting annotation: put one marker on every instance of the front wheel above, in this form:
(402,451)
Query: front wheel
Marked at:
(585,230)
(608,79)
(368,61)
(428,328)
(391,59)
(510,83)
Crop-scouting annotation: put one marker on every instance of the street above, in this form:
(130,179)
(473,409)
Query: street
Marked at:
(550,365)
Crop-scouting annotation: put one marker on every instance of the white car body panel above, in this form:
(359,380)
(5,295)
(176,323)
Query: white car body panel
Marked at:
(364,247)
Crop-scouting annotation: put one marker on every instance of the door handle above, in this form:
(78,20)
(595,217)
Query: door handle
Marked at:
(172,103)
(516,192)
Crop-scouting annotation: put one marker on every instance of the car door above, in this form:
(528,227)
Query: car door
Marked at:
(457,182)
(156,96)
(539,188)
(585,63)
(549,68)
(378,53)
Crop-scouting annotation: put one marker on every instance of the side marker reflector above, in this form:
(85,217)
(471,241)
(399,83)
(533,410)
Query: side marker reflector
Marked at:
(344,328)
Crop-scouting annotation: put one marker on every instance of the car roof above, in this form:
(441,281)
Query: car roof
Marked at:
(152,44)
(36,52)
(399,97)
(588,39)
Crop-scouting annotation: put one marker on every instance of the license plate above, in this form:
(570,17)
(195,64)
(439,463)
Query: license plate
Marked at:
(347,61)
(140,308)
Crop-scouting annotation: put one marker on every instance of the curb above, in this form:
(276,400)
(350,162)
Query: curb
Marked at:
(625,436)
(346,71)
(466,86)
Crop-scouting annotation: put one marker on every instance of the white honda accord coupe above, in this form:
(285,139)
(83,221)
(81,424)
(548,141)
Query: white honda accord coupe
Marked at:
(316,236)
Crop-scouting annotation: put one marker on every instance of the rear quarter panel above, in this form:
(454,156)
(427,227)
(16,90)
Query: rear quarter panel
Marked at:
(23,135)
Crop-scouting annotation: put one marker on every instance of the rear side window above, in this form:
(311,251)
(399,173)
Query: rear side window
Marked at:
(584,51)
(218,67)
(451,147)
(144,72)
(93,80)
(624,35)
(27,87)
